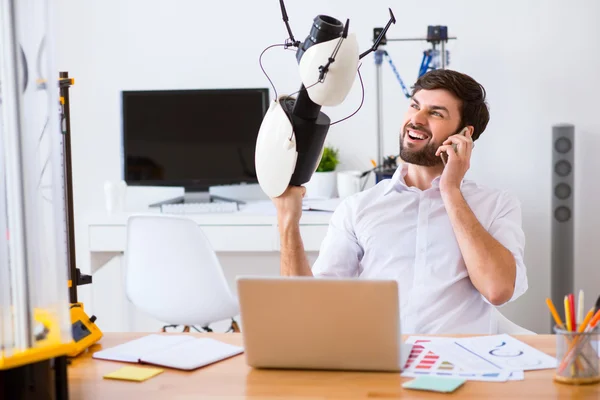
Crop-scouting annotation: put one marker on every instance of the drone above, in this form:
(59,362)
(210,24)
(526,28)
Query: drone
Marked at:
(292,134)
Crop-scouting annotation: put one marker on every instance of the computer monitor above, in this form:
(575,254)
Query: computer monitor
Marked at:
(191,138)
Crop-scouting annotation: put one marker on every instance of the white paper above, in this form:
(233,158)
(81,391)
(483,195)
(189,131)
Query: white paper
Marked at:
(596,345)
(494,376)
(505,352)
(460,357)
(424,361)
(517,376)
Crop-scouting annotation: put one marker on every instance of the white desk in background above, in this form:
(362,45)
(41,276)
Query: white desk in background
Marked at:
(246,242)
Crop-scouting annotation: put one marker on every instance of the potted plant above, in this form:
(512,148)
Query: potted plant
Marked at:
(322,185)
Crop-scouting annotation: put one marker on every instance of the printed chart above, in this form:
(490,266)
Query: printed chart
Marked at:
(423,361)
(503,352)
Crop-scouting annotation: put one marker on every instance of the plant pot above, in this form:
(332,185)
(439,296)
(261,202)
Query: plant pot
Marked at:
(322,185)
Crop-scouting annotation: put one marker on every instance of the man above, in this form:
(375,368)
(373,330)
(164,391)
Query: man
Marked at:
(455,247)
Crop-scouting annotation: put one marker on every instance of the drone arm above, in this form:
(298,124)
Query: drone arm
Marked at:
(381,35)
(323,69)
(284,15)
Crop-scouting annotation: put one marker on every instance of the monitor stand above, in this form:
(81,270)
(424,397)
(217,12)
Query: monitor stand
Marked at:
(238,193)
(197,197)
(189,197)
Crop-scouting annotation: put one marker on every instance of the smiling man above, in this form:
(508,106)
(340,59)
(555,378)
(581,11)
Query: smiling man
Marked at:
(455,247)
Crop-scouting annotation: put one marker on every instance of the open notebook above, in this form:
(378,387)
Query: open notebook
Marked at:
(171,351)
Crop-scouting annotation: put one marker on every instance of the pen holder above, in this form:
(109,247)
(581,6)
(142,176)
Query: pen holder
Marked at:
(577,359)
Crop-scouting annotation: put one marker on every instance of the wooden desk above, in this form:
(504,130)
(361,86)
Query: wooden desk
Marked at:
(233,379)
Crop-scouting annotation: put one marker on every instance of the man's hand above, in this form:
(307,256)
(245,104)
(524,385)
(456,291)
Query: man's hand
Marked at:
(289,211)
(289,206)
(458,163)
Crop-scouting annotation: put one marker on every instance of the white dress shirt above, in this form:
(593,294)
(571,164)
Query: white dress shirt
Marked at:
(393,231)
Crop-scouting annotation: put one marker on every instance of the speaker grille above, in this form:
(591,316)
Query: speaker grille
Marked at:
(562,191)
(562,168)
(563,145)
(562,214)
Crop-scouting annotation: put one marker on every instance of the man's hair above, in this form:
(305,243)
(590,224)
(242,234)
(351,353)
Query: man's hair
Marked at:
(474,110)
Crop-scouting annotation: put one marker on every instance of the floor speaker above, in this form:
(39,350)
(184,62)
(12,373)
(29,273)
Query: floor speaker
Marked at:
(562,215)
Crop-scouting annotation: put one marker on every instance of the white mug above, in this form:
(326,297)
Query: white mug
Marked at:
(114,196)
(348,183)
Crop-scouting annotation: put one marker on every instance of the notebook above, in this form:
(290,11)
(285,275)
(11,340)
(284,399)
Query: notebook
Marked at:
(171,351)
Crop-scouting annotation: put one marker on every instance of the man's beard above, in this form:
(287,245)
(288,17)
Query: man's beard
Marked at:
(424,156)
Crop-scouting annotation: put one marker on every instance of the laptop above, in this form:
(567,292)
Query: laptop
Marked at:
(321,323)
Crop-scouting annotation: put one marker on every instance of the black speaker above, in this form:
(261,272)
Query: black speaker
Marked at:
(562,215)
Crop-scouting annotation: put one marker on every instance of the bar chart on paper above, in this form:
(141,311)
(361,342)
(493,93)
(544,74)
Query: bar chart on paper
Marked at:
(424,362)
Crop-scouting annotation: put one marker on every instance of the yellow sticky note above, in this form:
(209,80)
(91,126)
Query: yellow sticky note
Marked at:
(137,374)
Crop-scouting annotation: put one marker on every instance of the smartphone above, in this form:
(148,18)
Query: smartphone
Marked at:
(443,154)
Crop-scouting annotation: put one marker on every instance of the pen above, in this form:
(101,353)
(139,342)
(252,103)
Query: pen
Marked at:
(573,327)
(568,314)
(554,313)
(586,321)
(572,311)
(580,308)
(594,320)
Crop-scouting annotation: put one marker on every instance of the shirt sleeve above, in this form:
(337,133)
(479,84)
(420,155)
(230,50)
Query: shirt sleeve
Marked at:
(507,229)
(340,253)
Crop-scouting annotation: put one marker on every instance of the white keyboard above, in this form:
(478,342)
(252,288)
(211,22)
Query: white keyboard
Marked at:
(199,208)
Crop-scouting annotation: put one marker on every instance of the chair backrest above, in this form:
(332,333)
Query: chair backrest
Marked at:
(505,325)
(173,274)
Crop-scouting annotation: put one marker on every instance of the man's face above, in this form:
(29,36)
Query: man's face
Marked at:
(432,117)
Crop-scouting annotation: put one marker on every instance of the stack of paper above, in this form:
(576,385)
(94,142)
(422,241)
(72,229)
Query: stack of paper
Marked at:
(496,358)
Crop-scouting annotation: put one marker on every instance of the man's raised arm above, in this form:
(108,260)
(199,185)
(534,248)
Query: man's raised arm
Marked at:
(289,211)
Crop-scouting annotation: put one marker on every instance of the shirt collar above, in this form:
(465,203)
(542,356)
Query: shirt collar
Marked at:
(398,183)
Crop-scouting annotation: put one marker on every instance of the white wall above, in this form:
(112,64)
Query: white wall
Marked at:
(538,60)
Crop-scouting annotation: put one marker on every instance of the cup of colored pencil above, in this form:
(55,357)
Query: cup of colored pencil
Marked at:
(577,358)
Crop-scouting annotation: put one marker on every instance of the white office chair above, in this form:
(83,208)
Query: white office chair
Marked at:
(173,274)
(505,325)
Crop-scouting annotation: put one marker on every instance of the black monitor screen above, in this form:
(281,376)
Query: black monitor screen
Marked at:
(191,138)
